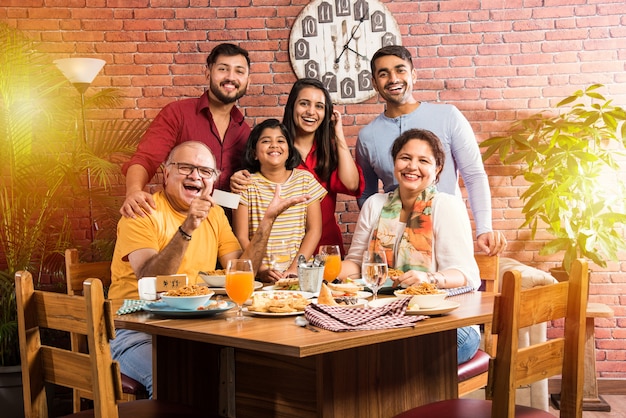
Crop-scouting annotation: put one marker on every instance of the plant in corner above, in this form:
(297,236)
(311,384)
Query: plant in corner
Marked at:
(44,160)
(573,161)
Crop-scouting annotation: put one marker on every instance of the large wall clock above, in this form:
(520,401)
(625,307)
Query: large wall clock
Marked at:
(334,40)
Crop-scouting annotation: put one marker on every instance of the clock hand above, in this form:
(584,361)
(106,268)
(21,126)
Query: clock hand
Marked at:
(356,52)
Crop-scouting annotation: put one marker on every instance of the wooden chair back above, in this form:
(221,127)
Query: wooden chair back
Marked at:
(76,272)
(489,268)
(88,315)
(512,367)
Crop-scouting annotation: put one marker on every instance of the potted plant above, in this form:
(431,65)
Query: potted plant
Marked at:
(44,159)
(571,161)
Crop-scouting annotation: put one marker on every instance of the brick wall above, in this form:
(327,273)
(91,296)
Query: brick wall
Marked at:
(496,60)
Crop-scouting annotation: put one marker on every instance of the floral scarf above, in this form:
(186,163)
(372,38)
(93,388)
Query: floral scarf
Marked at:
(415,248)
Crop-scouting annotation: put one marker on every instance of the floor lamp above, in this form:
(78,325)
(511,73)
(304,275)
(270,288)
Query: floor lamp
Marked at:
(81,72)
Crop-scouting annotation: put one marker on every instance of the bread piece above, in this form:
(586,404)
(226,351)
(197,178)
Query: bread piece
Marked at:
(344,289)
(326,296)
(286,283)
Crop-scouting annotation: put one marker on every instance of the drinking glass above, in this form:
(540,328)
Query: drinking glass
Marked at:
(332,261)
(280,256)
(239,284)
(374,270)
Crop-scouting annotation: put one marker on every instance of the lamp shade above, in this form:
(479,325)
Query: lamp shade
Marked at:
(80,70)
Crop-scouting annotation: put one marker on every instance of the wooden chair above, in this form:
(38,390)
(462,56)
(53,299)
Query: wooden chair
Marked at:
(95,372)
(473,374)
(75,274)
(512,367)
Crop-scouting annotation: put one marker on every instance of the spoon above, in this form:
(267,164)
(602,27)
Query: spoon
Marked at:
(302,322)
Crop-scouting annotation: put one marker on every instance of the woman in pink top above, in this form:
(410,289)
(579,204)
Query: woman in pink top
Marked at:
(318,136)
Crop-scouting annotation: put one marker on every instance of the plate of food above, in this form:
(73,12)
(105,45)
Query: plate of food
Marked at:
(278,303)
(445,307)
(348,289)
(424,295)
(287,283)
(326,297)
(214,307)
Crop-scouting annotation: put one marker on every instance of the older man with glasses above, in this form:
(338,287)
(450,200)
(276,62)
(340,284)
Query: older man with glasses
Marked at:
(186,233)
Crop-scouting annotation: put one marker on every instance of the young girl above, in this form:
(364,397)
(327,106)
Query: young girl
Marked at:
(271,158)
(317,133)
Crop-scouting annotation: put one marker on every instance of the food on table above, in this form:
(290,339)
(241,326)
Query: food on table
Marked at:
(394,273)
(278,302)
(216,304)
(421,289)
(344,289)
(287,283)
(191,290)
(326,298)
(218,272)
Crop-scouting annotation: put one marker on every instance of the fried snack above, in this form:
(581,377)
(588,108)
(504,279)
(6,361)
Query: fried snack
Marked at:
(288,283)
(421,289)
(394,273)
(278,302)
(218,272)
(326,296)
(191,290)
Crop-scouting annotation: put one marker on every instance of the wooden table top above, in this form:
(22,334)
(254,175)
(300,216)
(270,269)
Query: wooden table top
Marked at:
(282,336)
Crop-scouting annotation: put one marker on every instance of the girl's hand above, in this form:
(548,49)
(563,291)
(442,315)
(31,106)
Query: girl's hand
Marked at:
(239,181)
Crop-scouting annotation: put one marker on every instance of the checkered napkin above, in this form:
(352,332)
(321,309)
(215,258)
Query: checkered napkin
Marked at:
(459,290)
(336,318)
(131,306)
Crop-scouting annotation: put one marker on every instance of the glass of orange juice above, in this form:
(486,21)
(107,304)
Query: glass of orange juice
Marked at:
(239,284)
(332,261)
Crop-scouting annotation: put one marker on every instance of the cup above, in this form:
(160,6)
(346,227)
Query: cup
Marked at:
(147,288)
(310,278)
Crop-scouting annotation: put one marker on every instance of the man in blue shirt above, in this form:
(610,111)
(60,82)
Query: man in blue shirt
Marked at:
(393,77)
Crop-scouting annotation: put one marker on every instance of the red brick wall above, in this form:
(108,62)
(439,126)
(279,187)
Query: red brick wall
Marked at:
(496,60)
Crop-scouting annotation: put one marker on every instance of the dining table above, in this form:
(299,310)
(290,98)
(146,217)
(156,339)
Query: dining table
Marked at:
(271,367)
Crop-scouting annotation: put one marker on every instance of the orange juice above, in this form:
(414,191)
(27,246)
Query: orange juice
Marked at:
(332,267)
(239,286)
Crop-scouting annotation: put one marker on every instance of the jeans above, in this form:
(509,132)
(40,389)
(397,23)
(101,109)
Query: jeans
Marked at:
(467,342)
(133,350)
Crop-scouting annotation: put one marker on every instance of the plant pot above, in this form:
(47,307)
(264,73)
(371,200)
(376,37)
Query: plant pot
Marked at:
(11,398)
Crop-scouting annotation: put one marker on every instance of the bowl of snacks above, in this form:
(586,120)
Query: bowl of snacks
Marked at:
(424,295)
(215,278)
(187,298)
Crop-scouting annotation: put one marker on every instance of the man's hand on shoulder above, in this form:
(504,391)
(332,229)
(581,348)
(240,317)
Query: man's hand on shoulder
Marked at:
(137,203)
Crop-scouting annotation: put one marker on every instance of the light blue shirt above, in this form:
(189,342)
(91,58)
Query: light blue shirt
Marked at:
(373,154)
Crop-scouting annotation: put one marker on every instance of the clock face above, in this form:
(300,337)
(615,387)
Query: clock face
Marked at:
(334,40)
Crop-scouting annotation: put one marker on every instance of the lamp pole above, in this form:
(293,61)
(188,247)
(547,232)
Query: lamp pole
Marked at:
(81,72)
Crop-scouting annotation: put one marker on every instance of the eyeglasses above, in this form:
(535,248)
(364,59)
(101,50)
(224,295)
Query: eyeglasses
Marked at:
(204,172)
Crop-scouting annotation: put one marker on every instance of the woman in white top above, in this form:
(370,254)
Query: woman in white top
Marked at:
(424,233)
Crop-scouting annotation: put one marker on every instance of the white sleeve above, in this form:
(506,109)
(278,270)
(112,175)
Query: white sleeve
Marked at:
(368,220)
(452,238)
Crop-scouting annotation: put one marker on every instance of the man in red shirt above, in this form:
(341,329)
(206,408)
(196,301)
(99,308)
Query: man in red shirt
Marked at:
(212,119)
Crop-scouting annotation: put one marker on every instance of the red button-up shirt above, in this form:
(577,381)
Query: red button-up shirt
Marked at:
(191,120)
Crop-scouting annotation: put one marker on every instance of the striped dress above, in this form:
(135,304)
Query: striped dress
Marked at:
(290,226)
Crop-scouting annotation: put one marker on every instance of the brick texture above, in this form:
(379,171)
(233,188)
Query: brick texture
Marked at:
(495,60)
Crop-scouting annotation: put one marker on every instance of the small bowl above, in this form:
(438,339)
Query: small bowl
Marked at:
(213,281)
(187,303)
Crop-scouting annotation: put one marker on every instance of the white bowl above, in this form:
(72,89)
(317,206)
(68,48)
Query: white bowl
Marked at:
(213,281)
(187,303)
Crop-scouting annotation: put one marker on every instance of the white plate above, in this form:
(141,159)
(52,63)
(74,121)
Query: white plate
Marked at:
(286,293)
(274,314)
(222,290)
(163,309)
(445,307)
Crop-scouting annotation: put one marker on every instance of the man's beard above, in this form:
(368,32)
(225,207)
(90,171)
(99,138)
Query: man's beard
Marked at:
(224,98)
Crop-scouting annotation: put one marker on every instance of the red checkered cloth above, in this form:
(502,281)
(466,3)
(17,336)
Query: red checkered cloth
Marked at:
(336,318)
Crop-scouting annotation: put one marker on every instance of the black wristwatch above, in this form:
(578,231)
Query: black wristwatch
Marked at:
(183,234)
